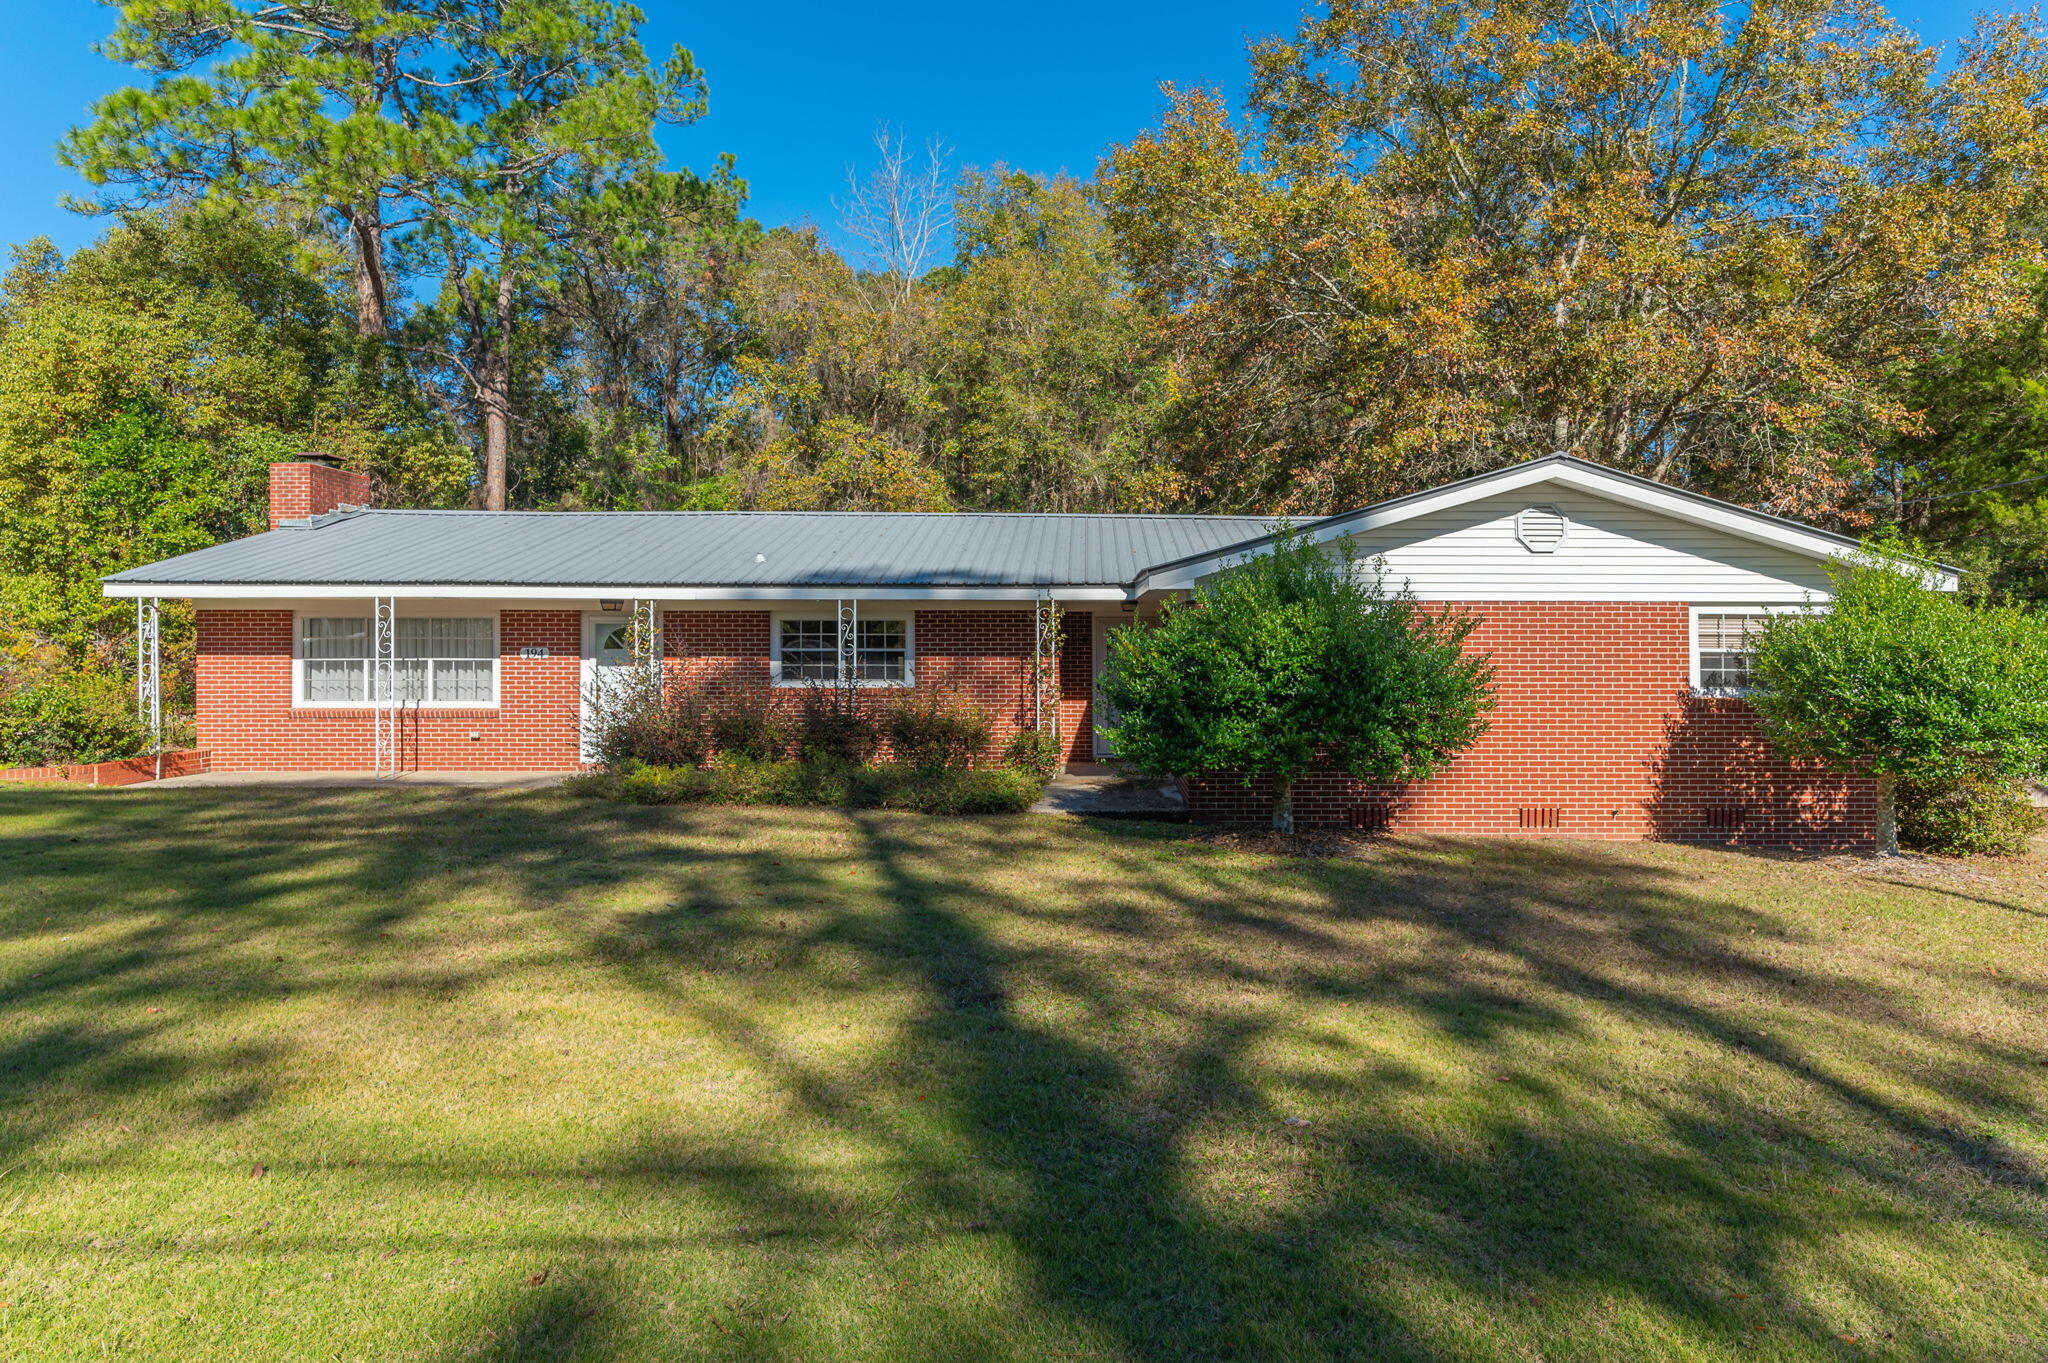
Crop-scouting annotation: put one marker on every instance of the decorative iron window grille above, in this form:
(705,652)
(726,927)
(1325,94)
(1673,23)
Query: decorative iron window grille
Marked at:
(878,650)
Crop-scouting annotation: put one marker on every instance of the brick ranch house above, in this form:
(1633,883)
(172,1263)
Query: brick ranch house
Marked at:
(1614,608)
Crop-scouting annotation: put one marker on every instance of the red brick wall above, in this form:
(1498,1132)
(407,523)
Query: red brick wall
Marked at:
(1596,735)
(981,656)
(247,719)
(724,650)
(301,490)
(1077,685)
(1595,732)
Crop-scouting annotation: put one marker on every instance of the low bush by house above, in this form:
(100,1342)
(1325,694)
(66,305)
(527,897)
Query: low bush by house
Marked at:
(1969,816)
(1034,751)
(674,744)
(883,785)
(833,727)
(931,729)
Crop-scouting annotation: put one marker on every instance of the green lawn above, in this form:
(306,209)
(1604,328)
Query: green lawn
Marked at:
(487,1075)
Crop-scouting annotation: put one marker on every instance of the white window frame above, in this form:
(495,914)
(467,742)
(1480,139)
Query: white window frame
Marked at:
(497,660)
(908,619)
(1692,642)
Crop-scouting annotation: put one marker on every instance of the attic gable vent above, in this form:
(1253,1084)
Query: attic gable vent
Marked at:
(1541,529)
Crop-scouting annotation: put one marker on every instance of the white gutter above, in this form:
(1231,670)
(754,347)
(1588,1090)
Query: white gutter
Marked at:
(257,591)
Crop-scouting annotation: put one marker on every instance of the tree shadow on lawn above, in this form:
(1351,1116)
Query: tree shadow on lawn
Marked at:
(1098,1084)
(1222,1106)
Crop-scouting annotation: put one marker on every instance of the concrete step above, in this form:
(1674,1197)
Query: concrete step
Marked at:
(1110,796)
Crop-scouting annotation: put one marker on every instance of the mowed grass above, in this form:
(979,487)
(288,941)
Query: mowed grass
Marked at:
(491,1075)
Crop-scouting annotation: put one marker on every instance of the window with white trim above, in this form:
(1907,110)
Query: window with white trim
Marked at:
(1723,645)
(439,660)
(807,650)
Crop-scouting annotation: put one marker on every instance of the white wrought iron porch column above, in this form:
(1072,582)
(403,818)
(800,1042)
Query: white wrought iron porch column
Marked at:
(1045,665)
(384,684)
(849,641)
(646,639)
(149,677)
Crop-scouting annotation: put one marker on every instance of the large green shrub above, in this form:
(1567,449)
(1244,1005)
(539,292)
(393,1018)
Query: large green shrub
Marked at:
(1291,662)
(1973,815)
(72,717)
(1905,683)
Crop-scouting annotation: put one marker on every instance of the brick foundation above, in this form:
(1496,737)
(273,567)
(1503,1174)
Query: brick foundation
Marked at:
(124,771)
(1595,735)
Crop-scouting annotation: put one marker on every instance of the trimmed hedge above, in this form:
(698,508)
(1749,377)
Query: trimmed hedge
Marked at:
(1978,815)
(887,785)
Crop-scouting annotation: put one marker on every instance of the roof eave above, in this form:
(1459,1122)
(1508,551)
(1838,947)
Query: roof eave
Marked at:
(583,591)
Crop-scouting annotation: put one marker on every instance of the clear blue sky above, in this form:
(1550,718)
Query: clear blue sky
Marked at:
(797,88)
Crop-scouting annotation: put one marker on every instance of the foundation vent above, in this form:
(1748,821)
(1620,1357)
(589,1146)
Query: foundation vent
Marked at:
(1370,818)
(1538,816)
(1726,818)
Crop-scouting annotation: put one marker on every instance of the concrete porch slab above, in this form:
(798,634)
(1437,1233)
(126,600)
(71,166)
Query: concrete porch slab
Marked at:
(1110,796)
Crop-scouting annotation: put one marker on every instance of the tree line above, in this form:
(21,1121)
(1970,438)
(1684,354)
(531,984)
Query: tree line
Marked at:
(1783,253)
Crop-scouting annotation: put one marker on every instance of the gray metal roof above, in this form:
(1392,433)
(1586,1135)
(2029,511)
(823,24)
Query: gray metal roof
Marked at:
(704,549)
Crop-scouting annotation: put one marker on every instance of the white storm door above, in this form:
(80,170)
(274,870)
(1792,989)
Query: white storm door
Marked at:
(607,660)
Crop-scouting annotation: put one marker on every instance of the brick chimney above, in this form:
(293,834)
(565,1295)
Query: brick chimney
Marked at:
(313,485)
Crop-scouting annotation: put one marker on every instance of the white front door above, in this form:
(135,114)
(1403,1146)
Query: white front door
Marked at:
(607,655)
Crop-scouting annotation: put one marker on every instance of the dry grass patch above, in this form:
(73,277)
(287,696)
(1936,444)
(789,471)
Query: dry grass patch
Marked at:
(459,1074)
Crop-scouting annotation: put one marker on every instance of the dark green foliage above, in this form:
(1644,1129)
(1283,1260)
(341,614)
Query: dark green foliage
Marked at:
(1033,751)
(931,728)
(84,717)
(1973,475)
(888,785)
(1906,683)
(1967,816)
(1296,661)
(833,726)
(992,790)
(749,724)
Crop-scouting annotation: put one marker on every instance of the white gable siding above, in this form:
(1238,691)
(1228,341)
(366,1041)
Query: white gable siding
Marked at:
(1612,552)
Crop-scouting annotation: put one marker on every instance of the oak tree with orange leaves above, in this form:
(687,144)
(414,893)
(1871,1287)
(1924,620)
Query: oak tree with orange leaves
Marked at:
(1683,238)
